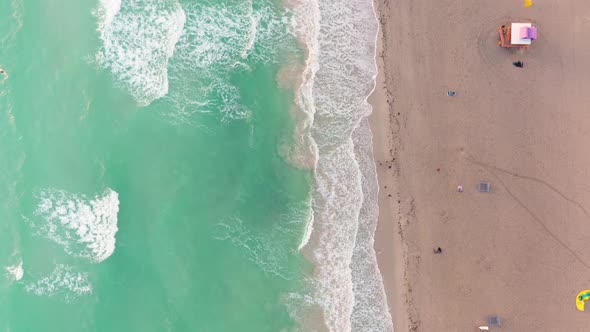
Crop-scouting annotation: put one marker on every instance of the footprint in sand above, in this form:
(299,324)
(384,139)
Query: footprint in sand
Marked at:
(464,291)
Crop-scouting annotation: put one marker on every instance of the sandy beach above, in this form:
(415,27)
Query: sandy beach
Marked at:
(519,251)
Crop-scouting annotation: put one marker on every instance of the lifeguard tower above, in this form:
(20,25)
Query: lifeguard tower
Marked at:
(519,35)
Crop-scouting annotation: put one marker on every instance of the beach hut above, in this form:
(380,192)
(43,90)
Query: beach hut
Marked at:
(519,35)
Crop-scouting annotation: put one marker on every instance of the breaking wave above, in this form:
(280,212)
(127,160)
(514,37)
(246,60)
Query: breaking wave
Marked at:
(219,41)
(16,271)
(138,40)
(84,226)
(189,53)
(339,76)
(63,283)
(106,12)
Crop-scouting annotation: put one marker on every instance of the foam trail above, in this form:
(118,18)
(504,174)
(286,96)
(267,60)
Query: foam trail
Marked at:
(341,70)
(252,31)
(63,282)
(304,152)
(269,255)
(138,40)
(84,226)
(305,27)
(15,26)
(218,41)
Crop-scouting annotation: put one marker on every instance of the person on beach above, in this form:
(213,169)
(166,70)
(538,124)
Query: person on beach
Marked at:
(518,64)
(438,250)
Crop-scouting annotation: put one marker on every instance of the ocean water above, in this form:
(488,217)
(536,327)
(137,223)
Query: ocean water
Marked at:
(187,165)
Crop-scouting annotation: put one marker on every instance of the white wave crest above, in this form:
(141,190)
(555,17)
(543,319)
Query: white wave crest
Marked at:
(63,282)
(16,271)
(84,226)
(138,40)
(106,12)
(308,229)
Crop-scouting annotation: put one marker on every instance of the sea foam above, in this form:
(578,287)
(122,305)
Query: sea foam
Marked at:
(340,75)
(16,271)
(84,226)
(106,12)
(138,39)
(304,26)
(229,35)
(220,40)
(63,282)
(269,248)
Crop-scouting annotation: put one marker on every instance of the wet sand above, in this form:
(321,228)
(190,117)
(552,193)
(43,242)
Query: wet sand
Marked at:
(519,251)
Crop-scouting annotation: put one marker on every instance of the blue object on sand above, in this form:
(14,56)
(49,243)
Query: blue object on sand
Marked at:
(451,93)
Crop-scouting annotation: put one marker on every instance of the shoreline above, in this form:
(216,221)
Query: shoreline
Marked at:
(389,245)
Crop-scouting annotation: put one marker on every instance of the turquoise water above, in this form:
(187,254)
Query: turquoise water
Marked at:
(143,189)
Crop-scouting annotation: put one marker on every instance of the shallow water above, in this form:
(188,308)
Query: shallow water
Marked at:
(157,175)
(142,185)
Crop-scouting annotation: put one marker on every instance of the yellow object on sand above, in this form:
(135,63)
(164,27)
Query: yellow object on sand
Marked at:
(528,3)
(582,297)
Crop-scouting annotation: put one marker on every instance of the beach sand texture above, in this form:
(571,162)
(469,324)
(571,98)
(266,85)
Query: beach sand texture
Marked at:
(520,251)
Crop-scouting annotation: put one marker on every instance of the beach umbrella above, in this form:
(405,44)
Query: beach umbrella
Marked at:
(528,3)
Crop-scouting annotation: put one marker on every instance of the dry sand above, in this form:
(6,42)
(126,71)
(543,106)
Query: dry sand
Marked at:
(521,250)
